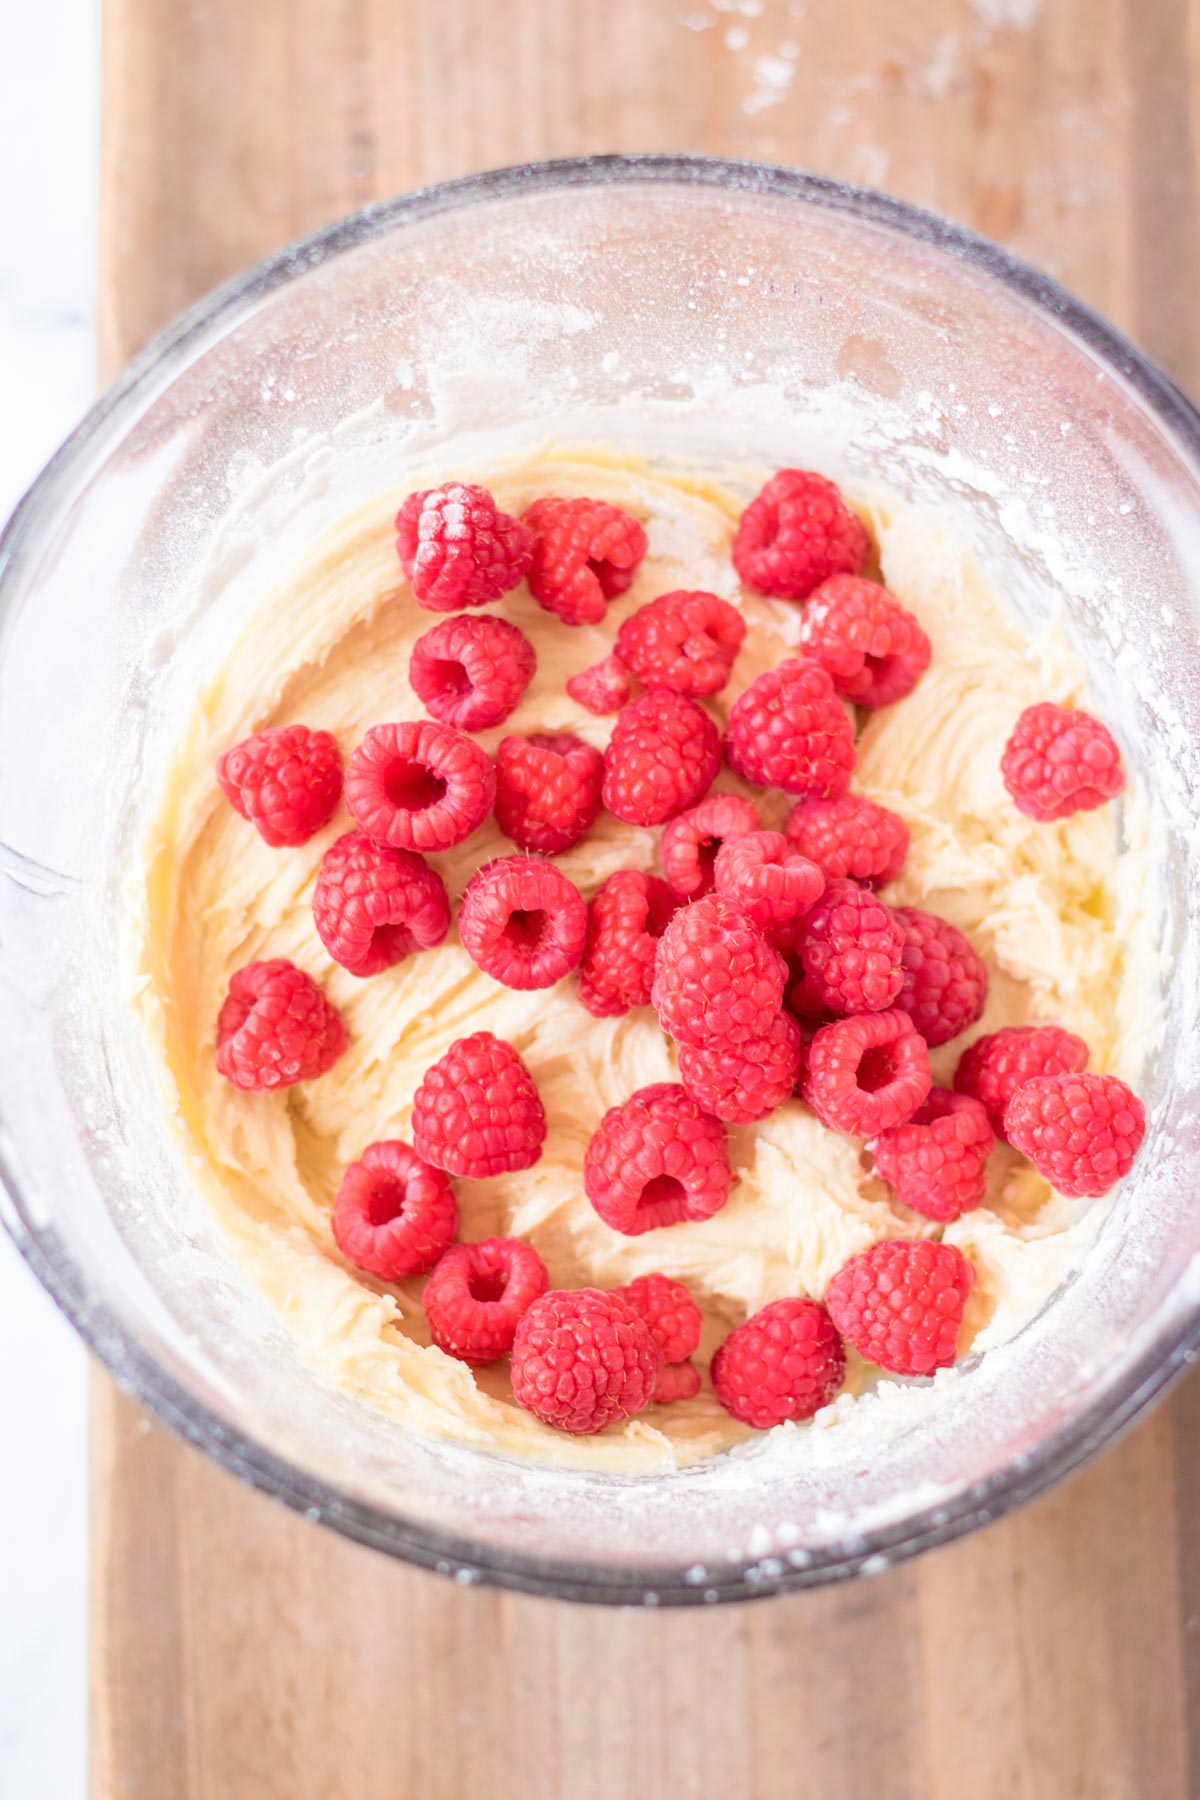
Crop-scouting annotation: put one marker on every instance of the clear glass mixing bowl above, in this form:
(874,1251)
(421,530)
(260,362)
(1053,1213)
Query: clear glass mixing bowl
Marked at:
(719,310)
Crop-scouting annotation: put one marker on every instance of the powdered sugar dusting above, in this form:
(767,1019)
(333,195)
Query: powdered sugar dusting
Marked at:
(996,14)
(773,77)
(771,71)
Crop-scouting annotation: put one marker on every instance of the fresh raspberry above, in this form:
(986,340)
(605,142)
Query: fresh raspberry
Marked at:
(716,979)
(740,1083)
(676,1381)
(655,1160)
(626,918)
(796,533)
(604,688)
(276,1027)
(785,1362)
(851,838)
(478,1295)
(471,673)
(995,1066)
(1059,761)
(547,790)
(584,555)
(374,905)
(937,1162)
(393,1215)
(769,880)
(583,1360)
(852,951)
(1081,1132)
(458,549)
(286,780)
(866,1074)
(873,648)
(790,730)
(945,981)
(662,757)
(477,1111)
(669,1311)
(419,786)
(692,842)
(683,642)
(901,1304)
(522,922)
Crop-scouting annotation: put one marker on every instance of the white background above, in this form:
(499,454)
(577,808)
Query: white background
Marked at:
(49,63)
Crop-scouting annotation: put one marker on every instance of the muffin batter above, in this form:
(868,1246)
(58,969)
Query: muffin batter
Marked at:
(1063,915)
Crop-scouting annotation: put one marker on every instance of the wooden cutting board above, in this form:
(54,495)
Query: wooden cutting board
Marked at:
(239,1653)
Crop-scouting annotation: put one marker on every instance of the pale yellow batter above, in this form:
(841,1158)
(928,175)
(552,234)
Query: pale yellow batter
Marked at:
(1065,924)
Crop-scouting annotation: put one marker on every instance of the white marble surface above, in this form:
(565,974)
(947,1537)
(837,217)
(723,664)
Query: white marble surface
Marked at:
(48,133)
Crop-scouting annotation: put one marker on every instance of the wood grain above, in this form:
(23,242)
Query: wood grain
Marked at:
(239,1653)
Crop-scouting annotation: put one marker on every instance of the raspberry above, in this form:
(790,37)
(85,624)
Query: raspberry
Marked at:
(286,780)
(374,905)
(683,642)
(583,1360)
(995,1066)
(655,1160)
(852,951)
(458,549)
(692,842)
(901,1304)
(740,1083)
(626,918)
(850,837)
(547,790)
(478,1295)
(419,786)
(393,1215)
(584,555)
(276,1027)
(716,979)
(937,1162)
(1081,1132)
(661,758)
(796,533)
(669,1311)
(1059,761)
(522,922)
(477,1111)
(864,1075)
(676,1381)
(769,880)
(604,688)
(874,649)
(785,1362)
(790,730)
(471,673)
(945,982)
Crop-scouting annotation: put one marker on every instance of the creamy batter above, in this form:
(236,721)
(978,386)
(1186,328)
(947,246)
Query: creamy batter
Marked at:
(1063,914)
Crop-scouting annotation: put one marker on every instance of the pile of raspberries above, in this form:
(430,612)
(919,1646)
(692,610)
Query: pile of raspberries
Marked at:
(768,956)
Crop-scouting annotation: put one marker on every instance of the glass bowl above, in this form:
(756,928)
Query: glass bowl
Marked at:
(710,310)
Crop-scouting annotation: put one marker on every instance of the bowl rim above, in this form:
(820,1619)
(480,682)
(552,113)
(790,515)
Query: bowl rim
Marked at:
(1076,1439)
